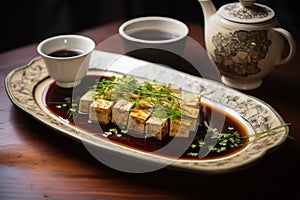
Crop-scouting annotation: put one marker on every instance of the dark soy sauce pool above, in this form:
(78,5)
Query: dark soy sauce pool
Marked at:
(58,94)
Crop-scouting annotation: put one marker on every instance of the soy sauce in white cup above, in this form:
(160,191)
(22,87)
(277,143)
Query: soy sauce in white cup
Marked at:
(67,58)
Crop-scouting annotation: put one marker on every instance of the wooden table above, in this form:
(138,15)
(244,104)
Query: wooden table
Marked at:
(38,163)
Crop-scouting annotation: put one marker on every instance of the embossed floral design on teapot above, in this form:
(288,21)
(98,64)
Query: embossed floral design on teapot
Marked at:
(245,41)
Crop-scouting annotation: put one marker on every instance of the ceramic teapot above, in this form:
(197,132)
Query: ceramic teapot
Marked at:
(245,41)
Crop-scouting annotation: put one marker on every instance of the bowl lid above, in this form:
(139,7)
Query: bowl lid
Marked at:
(246,11)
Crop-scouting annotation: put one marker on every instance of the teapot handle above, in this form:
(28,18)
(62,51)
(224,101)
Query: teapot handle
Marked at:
(292,45)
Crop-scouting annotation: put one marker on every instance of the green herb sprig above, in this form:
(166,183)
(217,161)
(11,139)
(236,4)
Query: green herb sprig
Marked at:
(114,131)
(226,140)
(166,103)
(68,103)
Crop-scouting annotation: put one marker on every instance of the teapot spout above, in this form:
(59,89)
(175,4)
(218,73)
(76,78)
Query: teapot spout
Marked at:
(208,9)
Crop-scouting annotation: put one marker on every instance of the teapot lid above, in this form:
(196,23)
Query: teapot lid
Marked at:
(246,11)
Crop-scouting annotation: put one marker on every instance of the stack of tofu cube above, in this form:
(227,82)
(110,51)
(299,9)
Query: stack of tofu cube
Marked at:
(135,113)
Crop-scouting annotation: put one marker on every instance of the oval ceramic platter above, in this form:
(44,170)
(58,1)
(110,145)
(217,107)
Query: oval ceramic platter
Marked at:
(26,87)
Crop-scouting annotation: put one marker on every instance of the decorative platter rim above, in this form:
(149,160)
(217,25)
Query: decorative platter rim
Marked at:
(21,85)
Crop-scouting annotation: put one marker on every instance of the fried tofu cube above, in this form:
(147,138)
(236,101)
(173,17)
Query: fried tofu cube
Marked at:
(145,104)
(137,120)
(120,112)
(190,112)
(179,128)
(192,115)
(171,88)
(85,101)
(134,96)
(174,89)
(101,110)
(110,94)
(190,99)
(175,98)
(157,127)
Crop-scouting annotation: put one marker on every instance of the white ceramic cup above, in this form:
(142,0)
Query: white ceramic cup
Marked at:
(154,38)
(69,69)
